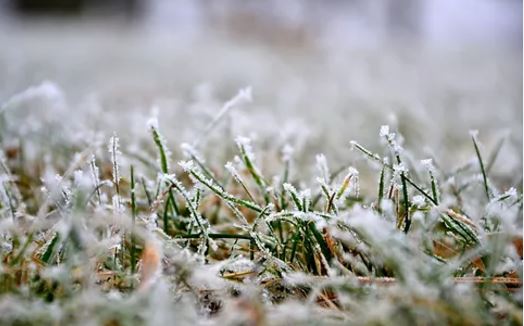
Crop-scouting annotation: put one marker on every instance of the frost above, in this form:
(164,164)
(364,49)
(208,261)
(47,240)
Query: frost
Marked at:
(384,131)
(392,139)
(319,221)
(114,151)
(80,180)
(117,207)
(322,167)
(150,222)
(511,192)
(418,201)
(287,152)
(289,187)
(427,164)
(474,133)
(297,278)
(349,184)
(4,197)
(95,175)
(46,89)
(152,123)
(190,151)
(418,217)
(242,97)
(306,193)
(114,243)
(164,154)
(352,171)
(400,168)
(232,169)
(239,265)
(187,166)
(245,94)
(245,144)
(201,248)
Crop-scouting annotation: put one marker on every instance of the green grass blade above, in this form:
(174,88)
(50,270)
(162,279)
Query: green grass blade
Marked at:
(481,164)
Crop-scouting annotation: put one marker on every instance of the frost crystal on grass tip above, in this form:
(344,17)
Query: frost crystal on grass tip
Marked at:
(243,141)
(187,166)
(114,150)
(427,164)
(246,94)
(512,192)
(384,131)
(287,152)
(399,168)
(152,123)
(231,169)
(289,187)
(391,138)
(352,171)
(474,133)
(245,144)
(94,172)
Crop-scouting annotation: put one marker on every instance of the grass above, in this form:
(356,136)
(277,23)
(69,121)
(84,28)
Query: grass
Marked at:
(209,243)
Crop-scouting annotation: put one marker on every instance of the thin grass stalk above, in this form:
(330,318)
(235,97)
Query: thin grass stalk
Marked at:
(133,221)
(481,164)
(380,189)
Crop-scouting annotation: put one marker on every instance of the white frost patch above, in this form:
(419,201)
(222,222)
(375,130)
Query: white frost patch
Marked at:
(384,131)
(239,265)
(418,201)
(187,166)
(322,166)
(232,169)
(152,123)
(427,163)
(47,90)
(245,144)
(287,152)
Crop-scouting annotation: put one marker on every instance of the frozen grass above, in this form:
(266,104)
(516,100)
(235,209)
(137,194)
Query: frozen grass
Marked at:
(94,231)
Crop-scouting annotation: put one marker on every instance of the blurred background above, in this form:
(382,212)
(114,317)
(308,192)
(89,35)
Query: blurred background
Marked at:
(322,72)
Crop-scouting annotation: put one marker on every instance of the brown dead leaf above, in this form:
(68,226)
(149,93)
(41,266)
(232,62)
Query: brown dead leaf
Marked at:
(517,243)
(150,265)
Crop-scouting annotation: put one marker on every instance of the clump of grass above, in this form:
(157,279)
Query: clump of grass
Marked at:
(407,253)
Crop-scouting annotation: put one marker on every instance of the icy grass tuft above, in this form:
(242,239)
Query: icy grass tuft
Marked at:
(274,246)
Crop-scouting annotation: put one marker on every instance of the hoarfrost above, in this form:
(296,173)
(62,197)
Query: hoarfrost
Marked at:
(187,166)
